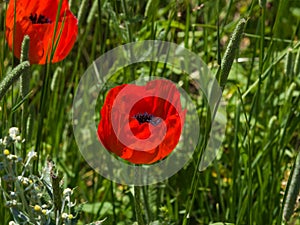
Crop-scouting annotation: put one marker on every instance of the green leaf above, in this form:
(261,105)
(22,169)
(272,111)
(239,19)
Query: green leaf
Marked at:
(93,208)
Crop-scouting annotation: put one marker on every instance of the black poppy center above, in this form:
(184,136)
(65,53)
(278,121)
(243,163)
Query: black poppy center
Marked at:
(39,19)
(147,118)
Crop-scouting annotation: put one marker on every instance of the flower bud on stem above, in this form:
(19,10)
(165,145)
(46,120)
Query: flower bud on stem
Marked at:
(24,88)
(13,76)
(24,81)
(230,53)
(292,191)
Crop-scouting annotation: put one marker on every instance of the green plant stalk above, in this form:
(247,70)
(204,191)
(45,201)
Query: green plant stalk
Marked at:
(267,71)
(24,89)
(45,91)
(223,74)
(148,213)
(92,13)
(13,58)
(228,8)
(13,76)
(130,37)
(101,30)
(195,179)
(137,203)
(289,63)
(206,37)
(24,81)
(113,203)
(14,31)
(104,197)
(297,64)
(262,3)
(219,185)
(218,35)
(55,42)
(256,109)
(230,53)
(243,205)
(187,25)
(236,157)
(89,20)
(82,11)
(292,190)
(276,26)
(282,142)
(42,113)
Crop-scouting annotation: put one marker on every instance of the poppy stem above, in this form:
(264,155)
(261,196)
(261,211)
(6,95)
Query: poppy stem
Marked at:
(137,203)
(13,76)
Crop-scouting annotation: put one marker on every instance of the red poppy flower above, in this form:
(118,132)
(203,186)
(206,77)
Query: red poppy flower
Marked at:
(37,19)
(142,124)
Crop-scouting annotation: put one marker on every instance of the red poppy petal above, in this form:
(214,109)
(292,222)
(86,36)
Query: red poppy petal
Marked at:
(67,38)
(140,131)
(46,7)
(139,157)
(105,130)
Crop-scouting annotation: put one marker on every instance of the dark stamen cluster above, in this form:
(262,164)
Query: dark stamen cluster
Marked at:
(143,117)
(39,19)
(147,118)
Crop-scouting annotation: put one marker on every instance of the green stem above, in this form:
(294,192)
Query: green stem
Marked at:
(46,86)
(24,89)
(82,11)
(113,203)
(42,114)
(148,213)
(267,71)
(137,202)
(222,76)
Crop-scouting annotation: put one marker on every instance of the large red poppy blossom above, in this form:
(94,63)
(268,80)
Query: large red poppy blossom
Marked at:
(37,19)
(142,124)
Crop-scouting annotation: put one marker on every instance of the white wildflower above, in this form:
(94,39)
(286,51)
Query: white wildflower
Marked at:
(14,133)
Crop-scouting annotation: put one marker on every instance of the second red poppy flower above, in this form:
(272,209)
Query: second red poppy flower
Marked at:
(142,124)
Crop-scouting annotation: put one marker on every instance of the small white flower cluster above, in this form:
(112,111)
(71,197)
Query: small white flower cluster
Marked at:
(25,191)
(67,205)
(67,216)
(14,133)
(30,197)
(68,192)
(13,136)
